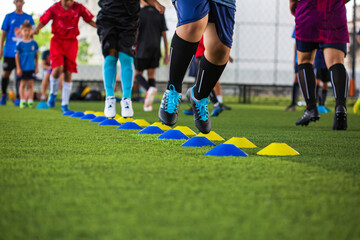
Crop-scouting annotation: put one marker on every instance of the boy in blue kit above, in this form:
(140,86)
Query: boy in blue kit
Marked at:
(215,20)
(10,36)
(26,64)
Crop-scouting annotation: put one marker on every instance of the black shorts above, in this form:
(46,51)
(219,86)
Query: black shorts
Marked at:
(303,46)
(142,64)
(114,36)
(28,75)
(323,74)
(9,64)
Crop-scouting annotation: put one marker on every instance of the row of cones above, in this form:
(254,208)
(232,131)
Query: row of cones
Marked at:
(232,147)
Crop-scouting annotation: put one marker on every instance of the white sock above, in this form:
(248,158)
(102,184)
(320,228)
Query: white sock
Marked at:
(30,100)
(220,98)
(66,93)
(54,84)
(22,100)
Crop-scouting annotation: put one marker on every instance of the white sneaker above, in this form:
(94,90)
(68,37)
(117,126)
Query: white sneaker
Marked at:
(126,108)
(110,107)
(149,98)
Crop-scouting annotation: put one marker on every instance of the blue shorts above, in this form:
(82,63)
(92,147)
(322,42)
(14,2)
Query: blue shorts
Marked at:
(296,68)
(303,46)
(189,11)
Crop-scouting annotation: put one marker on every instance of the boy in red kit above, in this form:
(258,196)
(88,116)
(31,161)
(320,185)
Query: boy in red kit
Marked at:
(64,44)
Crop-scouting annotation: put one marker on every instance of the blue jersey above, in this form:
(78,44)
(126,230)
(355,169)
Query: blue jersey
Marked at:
(228,3)
(11,26)
(27,52)
(320,60)
(296,58)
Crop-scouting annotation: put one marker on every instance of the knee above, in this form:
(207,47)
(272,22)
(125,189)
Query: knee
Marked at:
(126,61)
(219,54)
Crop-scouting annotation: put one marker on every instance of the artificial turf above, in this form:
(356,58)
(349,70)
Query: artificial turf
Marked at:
(65,178)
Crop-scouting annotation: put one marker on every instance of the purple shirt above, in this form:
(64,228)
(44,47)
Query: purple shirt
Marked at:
(321,21)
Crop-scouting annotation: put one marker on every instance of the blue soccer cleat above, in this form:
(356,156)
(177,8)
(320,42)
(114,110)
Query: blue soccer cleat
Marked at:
(17,102)
(216,111)
(64,108)
(3,99)
(51,100)
(188,111)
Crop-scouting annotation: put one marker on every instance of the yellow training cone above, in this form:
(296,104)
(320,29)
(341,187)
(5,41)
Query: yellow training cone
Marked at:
(117,116)
(278,149)
(89,112)
(185,130)
(142,122)
(124,120)
(241,142)
(161,126)
(212,136)
(100,114)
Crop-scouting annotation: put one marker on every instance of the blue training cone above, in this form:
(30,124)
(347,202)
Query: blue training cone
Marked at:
(226,150)
(173,134)
(151,130)
(88,117)
(129,126)
(68,113)
(109,122)
(98,119)
(78,115)
(42,105)
(198,142)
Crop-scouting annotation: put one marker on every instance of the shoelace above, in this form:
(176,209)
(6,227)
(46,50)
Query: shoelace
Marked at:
(202,108)
(173,98)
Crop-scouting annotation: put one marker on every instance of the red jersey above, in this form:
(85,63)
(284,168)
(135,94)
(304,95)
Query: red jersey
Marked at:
(65,22)
(201,48)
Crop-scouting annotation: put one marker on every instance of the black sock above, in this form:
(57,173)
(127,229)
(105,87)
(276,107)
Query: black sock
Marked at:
(17,86)
(295,94)
(4,84)
(323,97)
(181,54)
(317,92)
(142,81)
(339,79)
(213,97)
(307,84)
(207,77)
(152,82)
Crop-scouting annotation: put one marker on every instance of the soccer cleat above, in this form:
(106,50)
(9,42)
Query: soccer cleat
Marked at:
(22,105)
(126,108)
(340,118)
(149,98)
(110,107)
(169,107)
(308,116)
(357,106)
(216,111)
(17,102)
(51,100)
(3,99)
(224,107)
(201,113)
(64,108)
(30,105)
(291,108)
(188,111)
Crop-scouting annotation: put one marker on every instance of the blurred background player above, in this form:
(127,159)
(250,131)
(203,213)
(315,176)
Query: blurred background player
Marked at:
(356,107)
(11,33)
(322,75)
(295,88)
(64,45)
(215,20)
(26,59)
(152,28)
(118,22)
(214,98)
(321,24)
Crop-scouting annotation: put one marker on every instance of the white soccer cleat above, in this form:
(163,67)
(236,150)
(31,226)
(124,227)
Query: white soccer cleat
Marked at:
(149,98)
(126,108)
(110,107)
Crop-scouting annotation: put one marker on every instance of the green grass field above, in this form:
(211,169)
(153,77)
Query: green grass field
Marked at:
(65,178)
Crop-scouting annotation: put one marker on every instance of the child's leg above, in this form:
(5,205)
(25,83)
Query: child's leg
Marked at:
(66,90)
(55,79)
(30,88)
(307,81)
(44,85)
(110,72)
(141,80)
(22,89)
(127,73)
